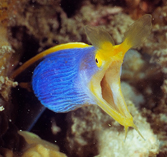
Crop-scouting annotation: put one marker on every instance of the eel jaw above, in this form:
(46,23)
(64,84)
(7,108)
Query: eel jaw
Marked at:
(106,89)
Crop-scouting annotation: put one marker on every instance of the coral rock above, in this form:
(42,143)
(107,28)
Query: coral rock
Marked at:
(37,147)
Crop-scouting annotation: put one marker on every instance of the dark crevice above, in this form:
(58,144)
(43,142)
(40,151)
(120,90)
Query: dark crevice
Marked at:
(30,44)
(71,6)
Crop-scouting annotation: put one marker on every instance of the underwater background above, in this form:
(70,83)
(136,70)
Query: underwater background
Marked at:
(28,27)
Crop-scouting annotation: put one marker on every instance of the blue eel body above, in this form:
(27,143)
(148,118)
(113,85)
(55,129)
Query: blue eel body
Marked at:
(57,79)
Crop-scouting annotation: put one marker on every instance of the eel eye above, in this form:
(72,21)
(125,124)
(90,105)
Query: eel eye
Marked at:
(98,60)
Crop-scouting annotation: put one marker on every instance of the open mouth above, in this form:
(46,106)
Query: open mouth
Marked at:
(111,90)
(106,89)
(107,94)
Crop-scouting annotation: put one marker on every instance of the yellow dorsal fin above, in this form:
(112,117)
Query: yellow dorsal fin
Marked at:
(138,31)
(45,53)
(99,38)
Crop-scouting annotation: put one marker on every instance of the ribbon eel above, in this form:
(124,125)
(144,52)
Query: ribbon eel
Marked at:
(74,74)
